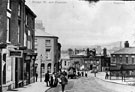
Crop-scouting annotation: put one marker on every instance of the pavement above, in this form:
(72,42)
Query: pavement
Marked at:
(33,87)
(118,80)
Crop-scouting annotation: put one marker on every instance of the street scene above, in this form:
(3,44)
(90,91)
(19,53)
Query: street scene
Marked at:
(67,45)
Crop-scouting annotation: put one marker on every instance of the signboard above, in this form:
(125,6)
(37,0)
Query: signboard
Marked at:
(15,53)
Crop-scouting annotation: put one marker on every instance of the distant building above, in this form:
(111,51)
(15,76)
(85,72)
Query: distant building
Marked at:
(48,49)
(65,62)
(123,60)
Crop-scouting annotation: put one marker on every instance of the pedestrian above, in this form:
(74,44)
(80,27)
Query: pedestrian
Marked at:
(36,76)
(52,79)
(85,74)
(82,73)
(64,81)
(47,76)
(106,75)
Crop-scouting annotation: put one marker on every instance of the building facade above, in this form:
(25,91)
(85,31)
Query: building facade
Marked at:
(18,34)
(123,61)
(65,62)
(48,50)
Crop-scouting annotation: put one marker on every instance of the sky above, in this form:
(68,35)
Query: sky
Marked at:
(79,23)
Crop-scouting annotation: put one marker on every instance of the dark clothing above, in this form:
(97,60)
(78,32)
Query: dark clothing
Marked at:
(65,73)
(51,82)
(85,74)
(62,87)
(47,76)
(64,81)
(82,74)
(36,77)
(106,76)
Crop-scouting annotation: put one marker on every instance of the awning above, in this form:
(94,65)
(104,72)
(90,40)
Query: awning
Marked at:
(115,68)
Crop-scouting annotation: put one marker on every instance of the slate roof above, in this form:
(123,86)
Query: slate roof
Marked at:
(129,50)
(42,33)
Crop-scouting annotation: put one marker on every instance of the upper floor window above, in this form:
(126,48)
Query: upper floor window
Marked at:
(29,45)
(19,29)
(133,60)
(113,59)
(48,54)
(47,42)
(8,29)
(25,39)
(26,19)
(120,58)
(19,9)
(127,60)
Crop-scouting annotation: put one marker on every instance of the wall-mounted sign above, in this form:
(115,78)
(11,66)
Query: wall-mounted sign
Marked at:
(15,53)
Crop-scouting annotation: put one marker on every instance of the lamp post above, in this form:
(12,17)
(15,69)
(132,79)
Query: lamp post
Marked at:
(41,68)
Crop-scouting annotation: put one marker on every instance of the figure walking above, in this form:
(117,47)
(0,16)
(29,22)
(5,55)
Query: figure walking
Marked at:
(36,76)
(47,76)
(64,81)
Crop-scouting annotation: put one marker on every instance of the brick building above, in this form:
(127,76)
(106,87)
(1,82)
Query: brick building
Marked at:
(17,32)
(123,61)
(48,49)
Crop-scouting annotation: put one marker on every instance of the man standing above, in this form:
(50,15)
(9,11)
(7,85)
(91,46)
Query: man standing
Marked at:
(47,76)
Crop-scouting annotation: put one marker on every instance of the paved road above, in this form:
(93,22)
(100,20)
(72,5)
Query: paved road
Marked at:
(89,85)
(69,86)
(83,85)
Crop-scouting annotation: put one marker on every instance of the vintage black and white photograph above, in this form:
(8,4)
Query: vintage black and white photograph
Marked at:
(67,45)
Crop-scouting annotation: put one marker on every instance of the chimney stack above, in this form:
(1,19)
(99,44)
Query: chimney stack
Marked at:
(126,44)
(104,52)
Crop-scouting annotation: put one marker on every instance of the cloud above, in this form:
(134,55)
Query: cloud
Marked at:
(78,22)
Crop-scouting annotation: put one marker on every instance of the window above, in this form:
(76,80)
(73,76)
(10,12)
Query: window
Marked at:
(48,54)
(8,29)
(19,9)
(26,19)
(120,59)
(113,59)
(133,60)
(65,63)
(47,42)
(25,39)
(29,45)
(127,60)
(19,25)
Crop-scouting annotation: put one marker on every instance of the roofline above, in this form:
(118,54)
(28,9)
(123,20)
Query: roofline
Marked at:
(48,36)
(123,54)
(27,7)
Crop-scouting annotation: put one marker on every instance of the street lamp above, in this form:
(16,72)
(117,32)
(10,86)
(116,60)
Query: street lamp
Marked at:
(41,68)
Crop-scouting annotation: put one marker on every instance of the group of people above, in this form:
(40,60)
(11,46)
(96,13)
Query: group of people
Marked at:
(82,74)
(55,78)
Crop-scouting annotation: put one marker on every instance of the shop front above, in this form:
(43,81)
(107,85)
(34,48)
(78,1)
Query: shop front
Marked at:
(29,68)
